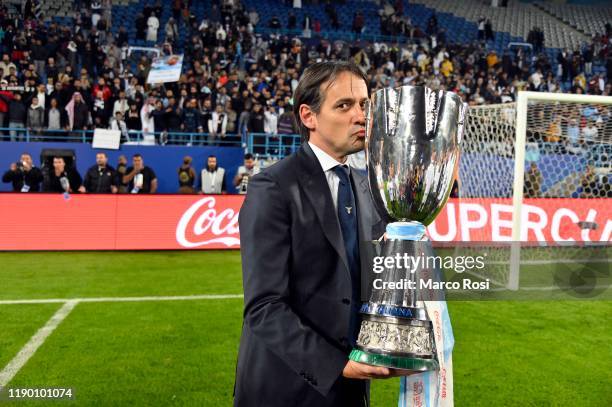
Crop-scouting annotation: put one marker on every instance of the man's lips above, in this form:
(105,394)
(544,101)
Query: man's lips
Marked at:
(360,133)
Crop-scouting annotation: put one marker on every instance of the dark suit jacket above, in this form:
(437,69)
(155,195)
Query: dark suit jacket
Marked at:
(297,288)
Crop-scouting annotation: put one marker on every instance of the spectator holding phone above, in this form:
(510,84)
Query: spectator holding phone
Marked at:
(24,176)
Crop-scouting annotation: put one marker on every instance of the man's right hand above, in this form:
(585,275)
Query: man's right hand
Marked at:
(13,166)
(356,370)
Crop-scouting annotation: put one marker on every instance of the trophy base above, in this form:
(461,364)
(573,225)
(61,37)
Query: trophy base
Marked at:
(394,362)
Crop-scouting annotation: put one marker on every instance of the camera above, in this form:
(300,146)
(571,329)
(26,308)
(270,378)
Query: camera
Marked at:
(244,183)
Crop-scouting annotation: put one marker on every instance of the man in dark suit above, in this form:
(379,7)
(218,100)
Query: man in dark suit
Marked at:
(300,226)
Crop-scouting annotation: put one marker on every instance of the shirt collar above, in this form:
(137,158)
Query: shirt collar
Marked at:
(327,161)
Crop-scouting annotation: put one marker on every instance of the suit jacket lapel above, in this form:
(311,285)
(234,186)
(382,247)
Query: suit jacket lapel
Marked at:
(317,190)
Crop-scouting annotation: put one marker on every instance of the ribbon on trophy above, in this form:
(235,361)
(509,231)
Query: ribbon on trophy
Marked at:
(435,387)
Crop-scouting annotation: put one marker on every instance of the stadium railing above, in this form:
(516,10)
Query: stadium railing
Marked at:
(275,147)
(260,144)
(132,137)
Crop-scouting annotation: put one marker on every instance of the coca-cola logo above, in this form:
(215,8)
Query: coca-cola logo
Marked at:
(201,225)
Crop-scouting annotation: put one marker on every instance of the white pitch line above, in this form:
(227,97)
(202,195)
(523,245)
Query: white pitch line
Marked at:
(125,299)
(13,367)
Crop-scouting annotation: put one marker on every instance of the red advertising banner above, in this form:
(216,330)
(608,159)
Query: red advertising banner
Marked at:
(543,220)
(150,222)
(119,222)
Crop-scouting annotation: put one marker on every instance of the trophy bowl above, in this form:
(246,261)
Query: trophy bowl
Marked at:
(413,135)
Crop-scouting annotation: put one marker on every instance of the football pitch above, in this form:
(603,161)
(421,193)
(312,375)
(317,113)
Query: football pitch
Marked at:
(162,328)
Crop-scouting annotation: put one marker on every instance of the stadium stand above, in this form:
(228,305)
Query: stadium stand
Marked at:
(589,20)
(517,19)
(247,56)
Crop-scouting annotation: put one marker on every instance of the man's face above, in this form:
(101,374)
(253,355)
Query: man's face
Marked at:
(249,163)
(212,162)
(101,159)
(27,158)
(339,127)
(59,164)
(137,162)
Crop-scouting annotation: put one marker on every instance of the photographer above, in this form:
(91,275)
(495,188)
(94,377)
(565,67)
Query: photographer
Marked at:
(24,175)
(186,177)
(244,174)
(140,178)
(62,179)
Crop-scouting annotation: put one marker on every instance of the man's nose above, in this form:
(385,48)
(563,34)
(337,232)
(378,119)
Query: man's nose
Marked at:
(360,114)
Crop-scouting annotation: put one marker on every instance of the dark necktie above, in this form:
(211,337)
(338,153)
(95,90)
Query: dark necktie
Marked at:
(347,215)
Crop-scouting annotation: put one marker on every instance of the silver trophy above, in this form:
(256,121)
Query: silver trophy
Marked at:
(413,135)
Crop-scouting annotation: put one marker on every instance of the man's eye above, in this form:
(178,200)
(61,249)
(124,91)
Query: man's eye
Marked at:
(343,106)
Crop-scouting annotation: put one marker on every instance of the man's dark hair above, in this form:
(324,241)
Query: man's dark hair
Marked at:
(309,92)
(212,156)
(248,156)
(101,152)
(137,155)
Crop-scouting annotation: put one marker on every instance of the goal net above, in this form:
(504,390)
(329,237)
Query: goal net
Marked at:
(538,172)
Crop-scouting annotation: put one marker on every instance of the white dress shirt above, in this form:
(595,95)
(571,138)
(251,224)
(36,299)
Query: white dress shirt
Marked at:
(328,163)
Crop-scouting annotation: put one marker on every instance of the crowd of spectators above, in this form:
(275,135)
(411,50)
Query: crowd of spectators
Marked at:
(79,77)
(236,81)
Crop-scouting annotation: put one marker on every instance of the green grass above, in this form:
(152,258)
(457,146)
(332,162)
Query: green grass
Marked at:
(18,323)
(118,274)
(150,353)
(553,353)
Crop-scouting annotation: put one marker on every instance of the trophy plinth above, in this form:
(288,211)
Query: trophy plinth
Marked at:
(412,150)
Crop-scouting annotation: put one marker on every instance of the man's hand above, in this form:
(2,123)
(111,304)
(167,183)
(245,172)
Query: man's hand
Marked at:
(26,166)
(13,166)
(356,370)
(82,189)
(114,189)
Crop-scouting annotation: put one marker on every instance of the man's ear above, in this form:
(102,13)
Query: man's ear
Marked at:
(308,117)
